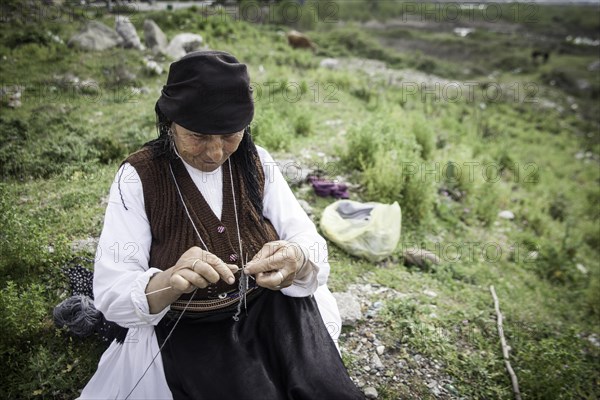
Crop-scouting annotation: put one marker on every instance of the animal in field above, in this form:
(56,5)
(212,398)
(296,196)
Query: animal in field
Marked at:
(300,41)
(539,55)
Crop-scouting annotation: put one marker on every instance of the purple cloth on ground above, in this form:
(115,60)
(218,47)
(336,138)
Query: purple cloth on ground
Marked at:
(326,188)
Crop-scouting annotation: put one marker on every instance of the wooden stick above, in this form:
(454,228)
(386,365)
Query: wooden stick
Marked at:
(513,376)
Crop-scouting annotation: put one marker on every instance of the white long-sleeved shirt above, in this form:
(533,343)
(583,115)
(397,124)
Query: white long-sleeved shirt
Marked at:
(122,273)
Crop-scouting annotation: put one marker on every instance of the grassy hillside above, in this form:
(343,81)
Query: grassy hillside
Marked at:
(495,131)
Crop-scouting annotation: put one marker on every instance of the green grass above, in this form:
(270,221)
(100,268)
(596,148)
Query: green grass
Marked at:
(60,150)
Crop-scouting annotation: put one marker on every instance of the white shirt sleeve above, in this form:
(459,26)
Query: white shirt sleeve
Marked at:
(292,224)
(121,270)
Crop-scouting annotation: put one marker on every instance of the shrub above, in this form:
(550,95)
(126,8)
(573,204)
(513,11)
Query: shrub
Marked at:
(303,125)
(391,166)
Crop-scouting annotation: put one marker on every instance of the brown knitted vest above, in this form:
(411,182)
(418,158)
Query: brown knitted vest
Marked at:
(172,231)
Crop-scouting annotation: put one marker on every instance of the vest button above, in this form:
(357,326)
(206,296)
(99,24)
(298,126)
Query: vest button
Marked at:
(221,229)
(233,257)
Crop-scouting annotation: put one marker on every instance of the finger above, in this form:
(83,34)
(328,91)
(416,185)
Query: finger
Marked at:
(206,271)
(268,250)
(272,280)
(234,268)
(225,272)
(276,261)
(193,278)
(179,283)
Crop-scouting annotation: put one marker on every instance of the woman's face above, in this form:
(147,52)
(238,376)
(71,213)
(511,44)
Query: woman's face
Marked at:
(205,152)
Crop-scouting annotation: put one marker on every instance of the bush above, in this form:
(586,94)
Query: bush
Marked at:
(391,165)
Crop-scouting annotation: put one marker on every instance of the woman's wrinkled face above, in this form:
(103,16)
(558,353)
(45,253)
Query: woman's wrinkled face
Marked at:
(205,152)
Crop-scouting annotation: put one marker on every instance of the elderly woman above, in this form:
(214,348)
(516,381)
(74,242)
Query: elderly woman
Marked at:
(210,262)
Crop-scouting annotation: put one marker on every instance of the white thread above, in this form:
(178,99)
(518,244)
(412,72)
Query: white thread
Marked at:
(159,290)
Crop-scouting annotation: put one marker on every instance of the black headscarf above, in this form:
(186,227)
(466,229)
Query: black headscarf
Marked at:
(208,92)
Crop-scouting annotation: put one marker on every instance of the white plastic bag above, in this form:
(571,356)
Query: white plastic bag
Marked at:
(369,230)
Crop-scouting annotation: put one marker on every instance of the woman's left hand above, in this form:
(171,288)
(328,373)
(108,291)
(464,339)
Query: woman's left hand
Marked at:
(276,264)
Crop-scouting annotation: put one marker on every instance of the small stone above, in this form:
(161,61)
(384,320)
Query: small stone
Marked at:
(367,368)
(371,392)
(329,63)
(380,349)
(430,293)
(420,257)
(451,389)
(506,214)
(401,364)
(376,362)
(593,339)
(581,268)
(153,67)
(349,308)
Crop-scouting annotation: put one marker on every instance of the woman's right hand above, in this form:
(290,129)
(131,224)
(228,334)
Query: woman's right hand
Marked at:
(197,268)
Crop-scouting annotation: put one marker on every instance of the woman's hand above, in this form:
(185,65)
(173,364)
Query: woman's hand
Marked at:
(275,266)
(197,268)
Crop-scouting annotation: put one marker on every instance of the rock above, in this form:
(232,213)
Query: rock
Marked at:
(420,257)
(122,75)
(182,44)
(329,63)
(155,38)
(463,32)
(451,389)
(95,36)
(430,293)
(153,67)
(581,268)
(583,84)
(380,350)
(506,214)
(125,28)
(14,98)
(376,362)
(349,308)
(374,309)
(371,392)
(89,86)
(401,364)
(595,66)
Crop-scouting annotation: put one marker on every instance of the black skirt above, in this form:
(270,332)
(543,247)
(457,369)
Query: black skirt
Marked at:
(280,349)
